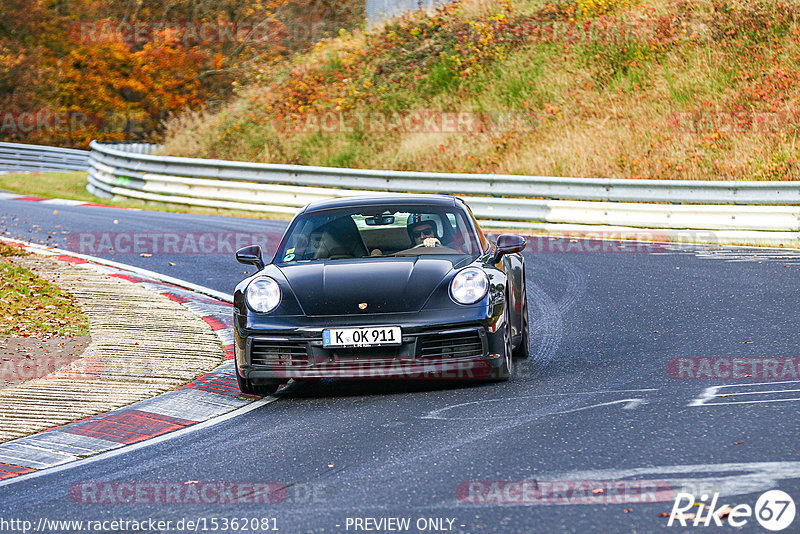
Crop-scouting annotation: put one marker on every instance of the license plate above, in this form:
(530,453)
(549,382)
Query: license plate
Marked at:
(371,336)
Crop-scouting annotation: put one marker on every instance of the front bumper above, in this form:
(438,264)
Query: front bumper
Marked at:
(463,350)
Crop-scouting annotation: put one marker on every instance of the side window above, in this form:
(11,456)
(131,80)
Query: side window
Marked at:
(463,238)
(296,245)
(483,244)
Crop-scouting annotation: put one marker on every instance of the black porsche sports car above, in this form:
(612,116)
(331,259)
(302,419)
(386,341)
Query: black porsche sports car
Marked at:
(383,286)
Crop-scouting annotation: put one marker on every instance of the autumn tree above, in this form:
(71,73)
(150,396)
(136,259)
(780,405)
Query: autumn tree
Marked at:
(72,71)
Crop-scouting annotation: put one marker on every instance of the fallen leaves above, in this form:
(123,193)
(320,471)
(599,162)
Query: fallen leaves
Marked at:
(34,307)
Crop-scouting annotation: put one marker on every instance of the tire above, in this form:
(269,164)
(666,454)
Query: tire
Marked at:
(524,349)
(245,386)
(261,389)
(503,372)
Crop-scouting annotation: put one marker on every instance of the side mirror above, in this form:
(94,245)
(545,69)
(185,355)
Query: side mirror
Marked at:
(250,255)
(508,244)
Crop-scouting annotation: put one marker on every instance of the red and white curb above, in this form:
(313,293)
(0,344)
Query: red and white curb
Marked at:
(57,201)
(210,396)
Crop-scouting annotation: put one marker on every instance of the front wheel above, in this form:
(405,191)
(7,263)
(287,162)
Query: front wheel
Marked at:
(524,348)
(504,370)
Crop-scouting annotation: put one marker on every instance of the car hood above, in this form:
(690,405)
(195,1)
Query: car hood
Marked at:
(386,285)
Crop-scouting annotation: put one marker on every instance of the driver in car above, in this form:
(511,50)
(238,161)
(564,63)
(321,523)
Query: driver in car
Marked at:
(424,234)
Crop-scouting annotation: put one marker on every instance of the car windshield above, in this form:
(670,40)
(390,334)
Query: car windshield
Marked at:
(378,232)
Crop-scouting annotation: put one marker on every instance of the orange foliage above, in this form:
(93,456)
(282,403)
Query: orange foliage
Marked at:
(91,69)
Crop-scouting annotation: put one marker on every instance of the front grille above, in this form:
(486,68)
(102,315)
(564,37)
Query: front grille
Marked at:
(456,345)
(283,352)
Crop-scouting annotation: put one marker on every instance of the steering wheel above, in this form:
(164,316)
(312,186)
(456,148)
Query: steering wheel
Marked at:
(438,244)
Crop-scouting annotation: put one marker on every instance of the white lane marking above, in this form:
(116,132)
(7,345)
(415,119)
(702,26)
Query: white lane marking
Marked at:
(729,479)
(633,403)
(142,444)
(752,402)
(50,251)
(713,393)
(767,391)
(630,404)
(63,202)
(707,394)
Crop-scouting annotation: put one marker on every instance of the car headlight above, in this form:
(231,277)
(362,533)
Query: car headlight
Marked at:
(469,286)
(263,294)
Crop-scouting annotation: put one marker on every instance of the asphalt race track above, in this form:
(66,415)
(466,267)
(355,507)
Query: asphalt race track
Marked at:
(599,400)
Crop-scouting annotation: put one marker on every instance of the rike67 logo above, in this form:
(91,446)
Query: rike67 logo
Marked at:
(774,510)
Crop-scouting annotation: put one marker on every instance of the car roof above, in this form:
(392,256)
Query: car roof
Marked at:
(379,199)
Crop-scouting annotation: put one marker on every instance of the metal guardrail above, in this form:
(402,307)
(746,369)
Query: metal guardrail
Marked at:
(22,157)
(773,208)
(135,147)
(26,158)
(611,190)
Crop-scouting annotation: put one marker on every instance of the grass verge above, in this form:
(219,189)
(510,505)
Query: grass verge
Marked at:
(658,89)
(30,306)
